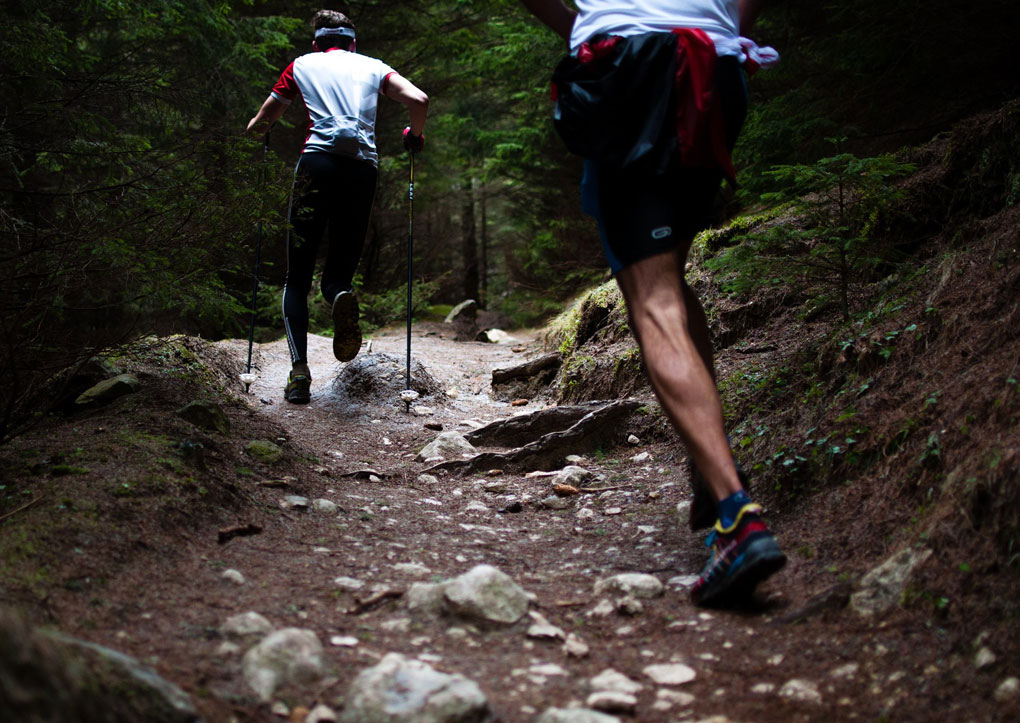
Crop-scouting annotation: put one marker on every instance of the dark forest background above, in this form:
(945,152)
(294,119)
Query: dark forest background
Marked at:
(130,199)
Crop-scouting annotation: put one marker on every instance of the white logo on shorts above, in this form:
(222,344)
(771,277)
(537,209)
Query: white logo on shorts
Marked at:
(662,232)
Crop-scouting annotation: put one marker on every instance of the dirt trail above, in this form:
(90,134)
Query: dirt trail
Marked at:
(158,592)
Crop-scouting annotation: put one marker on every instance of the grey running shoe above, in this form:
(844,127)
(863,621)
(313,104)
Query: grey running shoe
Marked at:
(298,389)
(346,332)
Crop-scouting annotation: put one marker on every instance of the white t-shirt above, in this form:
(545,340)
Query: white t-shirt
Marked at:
(718,18)
(341,92)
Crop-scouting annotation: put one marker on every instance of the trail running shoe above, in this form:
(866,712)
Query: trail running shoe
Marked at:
(743,555)
(298,390)
(703,504)
(346,332)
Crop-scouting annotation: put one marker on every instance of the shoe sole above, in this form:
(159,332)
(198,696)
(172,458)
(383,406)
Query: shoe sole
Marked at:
(760,561)
(346,332)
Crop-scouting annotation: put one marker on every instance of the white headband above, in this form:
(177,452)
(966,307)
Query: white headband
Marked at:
(342,32)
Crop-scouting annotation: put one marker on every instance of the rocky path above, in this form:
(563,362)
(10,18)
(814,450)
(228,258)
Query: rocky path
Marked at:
(387,589)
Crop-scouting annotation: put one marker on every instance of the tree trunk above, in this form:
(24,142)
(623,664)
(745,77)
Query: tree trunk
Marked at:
(484,265)
(469,244)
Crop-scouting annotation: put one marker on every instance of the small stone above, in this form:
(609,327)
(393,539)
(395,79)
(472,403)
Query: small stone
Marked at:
(294,502)
(585,513)
(611,701)
(228,649)
(324,506)
(396,625)
(548,670)
(556,503)
(348,583)
(543,629)
(633,440)
(803,691)
(422,411)
(1008,690)
(572,476)
(575,715)
(343,641)
(575,647)
(263,451)
(412,568)
(279,709)
(845,672)
(476,506)
(573,459)
(985,658)
(612,680)
(763,688)
(684,582)
(610,511)
(249,623)
(232,575)
(673,698)
(635,584)
(427,479)
(670,673)
(496,487)
(683,513)
(641,458)
(321,714)
(602,609)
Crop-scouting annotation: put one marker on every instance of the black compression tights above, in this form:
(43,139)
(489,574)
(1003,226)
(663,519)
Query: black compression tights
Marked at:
(331,194)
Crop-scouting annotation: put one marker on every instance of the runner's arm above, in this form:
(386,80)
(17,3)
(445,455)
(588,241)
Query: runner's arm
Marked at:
(554,14)
(748,10)
(400,89)
(268,114)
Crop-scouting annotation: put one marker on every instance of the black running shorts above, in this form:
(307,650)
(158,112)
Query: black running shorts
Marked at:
(641,214)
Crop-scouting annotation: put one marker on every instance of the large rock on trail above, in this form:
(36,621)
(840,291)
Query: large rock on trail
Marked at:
(106,391)
(288,656)
(206,415)
(53,677)
(378,379)
(448,445)
(398,690)
(487,594)
(883,587)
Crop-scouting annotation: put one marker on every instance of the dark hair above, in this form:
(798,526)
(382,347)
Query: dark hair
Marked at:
(332,19)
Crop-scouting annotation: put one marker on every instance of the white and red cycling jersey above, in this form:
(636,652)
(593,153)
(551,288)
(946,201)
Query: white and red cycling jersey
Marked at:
(340,90)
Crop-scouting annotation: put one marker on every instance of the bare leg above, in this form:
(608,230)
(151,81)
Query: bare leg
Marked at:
(672,332)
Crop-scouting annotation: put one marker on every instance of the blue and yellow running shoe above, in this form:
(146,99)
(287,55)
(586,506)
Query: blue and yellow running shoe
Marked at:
(743,555)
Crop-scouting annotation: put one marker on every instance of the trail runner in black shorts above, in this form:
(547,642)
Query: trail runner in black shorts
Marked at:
(653,96)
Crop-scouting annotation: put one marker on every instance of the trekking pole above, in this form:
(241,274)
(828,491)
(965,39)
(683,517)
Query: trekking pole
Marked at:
(247,378)
(410,263)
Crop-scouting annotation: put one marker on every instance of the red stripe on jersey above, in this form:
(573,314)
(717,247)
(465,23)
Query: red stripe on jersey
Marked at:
(286,87)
